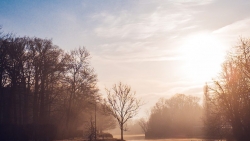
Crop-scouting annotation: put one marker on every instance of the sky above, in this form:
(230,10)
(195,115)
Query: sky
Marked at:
(158,47)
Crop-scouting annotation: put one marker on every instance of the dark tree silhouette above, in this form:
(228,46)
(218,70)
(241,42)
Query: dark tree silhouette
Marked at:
(122,104)
(81,84)
(42,87)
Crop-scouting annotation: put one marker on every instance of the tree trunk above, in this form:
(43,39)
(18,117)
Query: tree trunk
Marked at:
(121,132)
(14,99)
(42,110)
(27,94)
(20,117)
(1,99)
(35,102)
(68,116)
(47,103)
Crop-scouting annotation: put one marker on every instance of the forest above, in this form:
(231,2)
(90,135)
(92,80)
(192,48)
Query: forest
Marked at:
(47,93)
(44,90)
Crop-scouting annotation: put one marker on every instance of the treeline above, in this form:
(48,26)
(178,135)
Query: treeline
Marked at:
(42,86)
(176,117)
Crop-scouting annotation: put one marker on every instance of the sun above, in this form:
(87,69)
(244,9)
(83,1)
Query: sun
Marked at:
(203,55)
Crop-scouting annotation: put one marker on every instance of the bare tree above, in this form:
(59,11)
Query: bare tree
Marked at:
(230,92)
(81,85)
(122,104)
(215,123)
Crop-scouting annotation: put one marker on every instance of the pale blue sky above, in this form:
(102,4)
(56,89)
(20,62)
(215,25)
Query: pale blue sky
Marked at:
(158,47)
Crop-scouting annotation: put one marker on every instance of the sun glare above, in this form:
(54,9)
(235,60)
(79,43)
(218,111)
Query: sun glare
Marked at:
(203,55)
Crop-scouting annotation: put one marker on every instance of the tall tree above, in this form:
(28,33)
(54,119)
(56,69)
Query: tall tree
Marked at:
(80,81)
(214,122)
(4,42)
(122,104)
(230,92)
(47,63)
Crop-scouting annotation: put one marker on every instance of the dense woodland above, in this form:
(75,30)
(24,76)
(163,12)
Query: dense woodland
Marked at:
(45,90)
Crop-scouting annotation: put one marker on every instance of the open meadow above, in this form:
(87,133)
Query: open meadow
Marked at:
(140,137)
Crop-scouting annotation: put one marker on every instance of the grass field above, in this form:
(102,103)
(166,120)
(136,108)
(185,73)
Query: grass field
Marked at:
(142,137)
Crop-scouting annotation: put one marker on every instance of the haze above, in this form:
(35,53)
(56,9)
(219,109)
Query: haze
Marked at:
(160,48)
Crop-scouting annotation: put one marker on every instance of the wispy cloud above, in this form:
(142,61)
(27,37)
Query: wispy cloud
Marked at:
(192,2)
(143,26)
(237,27)
(149,36)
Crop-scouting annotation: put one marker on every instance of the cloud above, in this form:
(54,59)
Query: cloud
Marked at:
(237,27)
(127,25)
(195,90)
(192,2)
(230,34)
(135,36)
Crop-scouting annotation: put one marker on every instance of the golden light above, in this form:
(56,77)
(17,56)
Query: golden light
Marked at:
(203,55)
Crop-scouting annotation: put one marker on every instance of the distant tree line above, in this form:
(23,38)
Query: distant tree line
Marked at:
(43,87)
(178,116)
